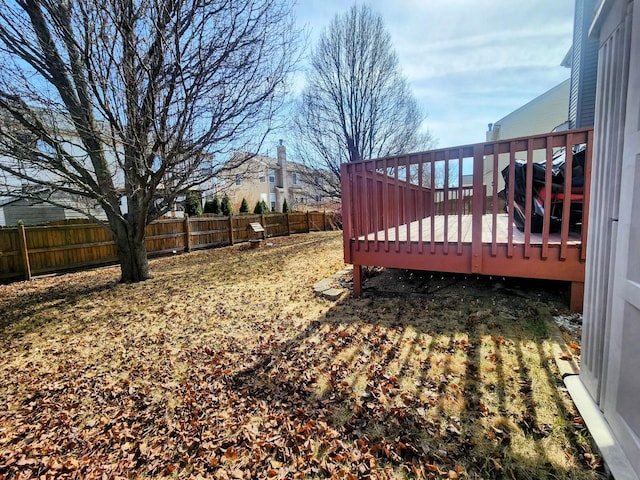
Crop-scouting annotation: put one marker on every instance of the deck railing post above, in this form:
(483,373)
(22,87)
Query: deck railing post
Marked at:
(346,211)
(477,209)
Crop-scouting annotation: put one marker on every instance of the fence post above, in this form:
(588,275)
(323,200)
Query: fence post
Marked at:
(264,225)
(187,234)
(230,229)
(288,224)
(25,251)
(308,222)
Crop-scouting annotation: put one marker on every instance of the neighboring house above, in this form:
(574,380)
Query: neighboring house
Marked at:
(3,202)
(37,212)
(545,113)
(273,180)
(607,391)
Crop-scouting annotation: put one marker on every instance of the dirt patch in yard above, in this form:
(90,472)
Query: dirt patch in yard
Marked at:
(227,365)
(550,298)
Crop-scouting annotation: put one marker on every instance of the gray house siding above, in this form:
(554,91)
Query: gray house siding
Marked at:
(39,213)
(576,54)
(31,214)
(587,101)
(584,67)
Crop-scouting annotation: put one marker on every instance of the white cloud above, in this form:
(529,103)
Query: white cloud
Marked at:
(469,62)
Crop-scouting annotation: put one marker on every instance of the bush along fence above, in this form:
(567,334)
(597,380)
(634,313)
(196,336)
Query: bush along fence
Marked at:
(38,250)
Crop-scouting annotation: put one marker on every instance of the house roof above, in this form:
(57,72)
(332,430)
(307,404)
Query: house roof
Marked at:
(7,200)
(270,162)
(59,197)
(566,61)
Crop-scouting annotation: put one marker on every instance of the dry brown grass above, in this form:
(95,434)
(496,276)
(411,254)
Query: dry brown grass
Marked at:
(225,364)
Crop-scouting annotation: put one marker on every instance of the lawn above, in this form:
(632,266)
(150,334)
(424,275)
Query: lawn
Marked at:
(227,365)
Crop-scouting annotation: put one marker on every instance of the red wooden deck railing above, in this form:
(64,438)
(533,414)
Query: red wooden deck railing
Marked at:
(415,211)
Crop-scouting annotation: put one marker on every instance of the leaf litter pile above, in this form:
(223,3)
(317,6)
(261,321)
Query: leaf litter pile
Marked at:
(226,365)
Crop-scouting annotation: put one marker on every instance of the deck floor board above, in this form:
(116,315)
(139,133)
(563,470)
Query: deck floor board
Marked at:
(412,233)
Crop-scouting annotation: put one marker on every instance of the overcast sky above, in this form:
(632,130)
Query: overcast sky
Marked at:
(469,62)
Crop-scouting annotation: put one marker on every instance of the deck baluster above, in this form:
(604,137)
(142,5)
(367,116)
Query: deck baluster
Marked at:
(511,195)
(566,204)
(546,224)
(494,203)
(460,201)
(528,200)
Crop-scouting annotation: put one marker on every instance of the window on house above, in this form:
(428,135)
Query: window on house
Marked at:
(238,179)
(295,178)
(272,176)
(272,200)
(263,179)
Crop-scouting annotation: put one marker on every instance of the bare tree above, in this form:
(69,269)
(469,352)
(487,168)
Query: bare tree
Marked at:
(356,104)
(104,99)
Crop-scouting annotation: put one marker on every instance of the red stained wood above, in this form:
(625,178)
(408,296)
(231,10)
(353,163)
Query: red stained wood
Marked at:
(384,202)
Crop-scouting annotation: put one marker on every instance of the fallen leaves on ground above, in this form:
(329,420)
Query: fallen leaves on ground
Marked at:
(226,365)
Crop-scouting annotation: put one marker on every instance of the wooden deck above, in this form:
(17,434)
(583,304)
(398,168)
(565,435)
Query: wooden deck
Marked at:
(460,227)
(413,211)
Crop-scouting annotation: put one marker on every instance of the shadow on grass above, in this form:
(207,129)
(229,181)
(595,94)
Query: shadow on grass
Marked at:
(451,381)
(20,314)
(418,386)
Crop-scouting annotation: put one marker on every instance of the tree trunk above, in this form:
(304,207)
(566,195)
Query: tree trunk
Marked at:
(132,255)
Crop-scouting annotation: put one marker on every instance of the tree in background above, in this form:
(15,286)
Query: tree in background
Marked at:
(192,204)
(244,206)
(356,103)
(105,98)
(285,206)
(225,206)
(212,206)
(261,207)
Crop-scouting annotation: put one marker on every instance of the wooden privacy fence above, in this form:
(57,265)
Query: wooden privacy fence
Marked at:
(37,250)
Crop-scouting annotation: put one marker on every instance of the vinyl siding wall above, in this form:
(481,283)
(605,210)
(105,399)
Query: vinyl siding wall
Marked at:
(584,67)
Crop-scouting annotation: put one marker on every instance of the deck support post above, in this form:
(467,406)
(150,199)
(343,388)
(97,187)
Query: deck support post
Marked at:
(577,296)
(477,206)
(357,280)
